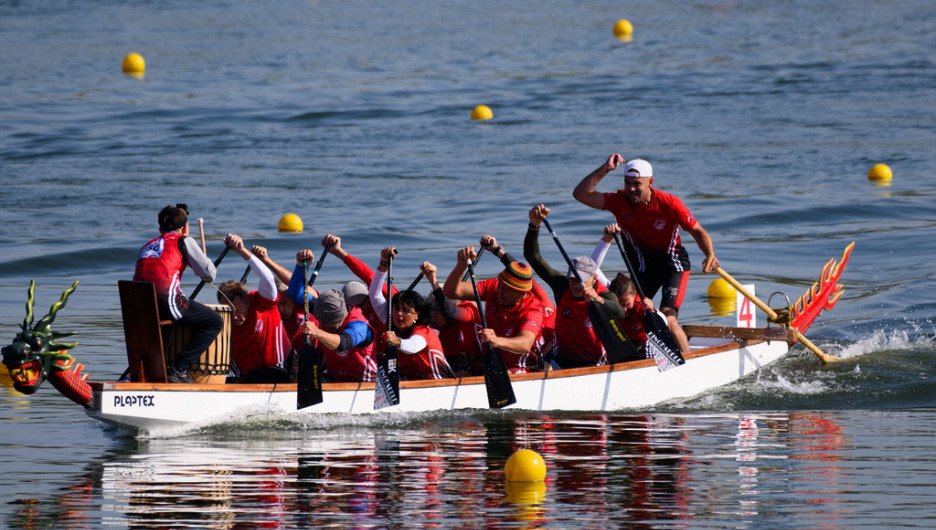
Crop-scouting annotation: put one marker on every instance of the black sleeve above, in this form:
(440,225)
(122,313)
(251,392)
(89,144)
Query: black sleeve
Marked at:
(531,251)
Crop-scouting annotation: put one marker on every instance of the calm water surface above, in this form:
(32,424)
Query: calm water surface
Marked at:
(763,117)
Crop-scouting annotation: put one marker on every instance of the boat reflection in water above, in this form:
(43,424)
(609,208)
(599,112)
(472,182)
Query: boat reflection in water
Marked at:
(447,470)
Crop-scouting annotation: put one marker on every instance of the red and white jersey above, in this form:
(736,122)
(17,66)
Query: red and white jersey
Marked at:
(427,363)
(357,363)
(461,343)
(575,337)
(160,261)
(654,227)
(527,314)
(261,341)
(632,324)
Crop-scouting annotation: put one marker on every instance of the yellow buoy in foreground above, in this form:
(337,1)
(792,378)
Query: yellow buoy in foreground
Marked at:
(133,63)
(719,288)
(525,466)
(525,492)
(290,222)
(623,29)
(481,113)
(880,173)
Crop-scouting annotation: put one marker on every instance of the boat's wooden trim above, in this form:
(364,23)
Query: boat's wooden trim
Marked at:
(729,344)
(740,334)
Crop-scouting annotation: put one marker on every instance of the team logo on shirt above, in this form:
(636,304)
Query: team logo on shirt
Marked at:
(659,224)
(153,250)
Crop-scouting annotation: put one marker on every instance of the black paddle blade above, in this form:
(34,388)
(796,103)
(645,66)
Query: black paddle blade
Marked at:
(309,385)
(387,387)
(609,332)
(497,381)
(661,346)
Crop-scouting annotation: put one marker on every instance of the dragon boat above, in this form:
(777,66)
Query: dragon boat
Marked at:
(718,355)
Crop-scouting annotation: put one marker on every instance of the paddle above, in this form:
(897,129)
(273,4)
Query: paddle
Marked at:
(201,234)
(496,379)
(660,342)
(245,275)
(603,321)
(415,282)
(476,261)
(308,378)
(217,262)
(771,314)
(387,387)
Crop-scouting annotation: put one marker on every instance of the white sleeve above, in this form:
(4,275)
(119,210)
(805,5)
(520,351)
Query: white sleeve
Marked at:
(415,344)
(377,299)
(267,287)
(601,250)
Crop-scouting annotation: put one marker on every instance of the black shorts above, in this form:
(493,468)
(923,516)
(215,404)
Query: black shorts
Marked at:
(672,283)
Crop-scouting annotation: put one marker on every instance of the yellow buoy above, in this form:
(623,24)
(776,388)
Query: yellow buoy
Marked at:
(719,288)
(525,466)
(880,173)
(722,307)
(482,112)
(623,29)
(133,63)
(525,492)
(290,222)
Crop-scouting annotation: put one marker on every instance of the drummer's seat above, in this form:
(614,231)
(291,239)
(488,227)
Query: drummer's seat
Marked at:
(143,331)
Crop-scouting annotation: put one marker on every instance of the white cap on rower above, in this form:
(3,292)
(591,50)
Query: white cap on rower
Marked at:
(638,167)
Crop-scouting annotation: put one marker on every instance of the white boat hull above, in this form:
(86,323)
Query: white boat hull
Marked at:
(148,407)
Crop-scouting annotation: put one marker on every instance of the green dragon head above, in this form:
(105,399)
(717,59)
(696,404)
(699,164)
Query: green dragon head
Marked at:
(35,350)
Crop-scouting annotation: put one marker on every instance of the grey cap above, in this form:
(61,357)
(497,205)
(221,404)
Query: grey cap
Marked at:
(354,293)
(585,267)
(330,307)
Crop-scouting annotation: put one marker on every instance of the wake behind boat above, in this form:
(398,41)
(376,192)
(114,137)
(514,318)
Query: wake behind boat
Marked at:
(718,356)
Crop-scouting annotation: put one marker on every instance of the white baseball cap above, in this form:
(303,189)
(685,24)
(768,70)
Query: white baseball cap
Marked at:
(638,167)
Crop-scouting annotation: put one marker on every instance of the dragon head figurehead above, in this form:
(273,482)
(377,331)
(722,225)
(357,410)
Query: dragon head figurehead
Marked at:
(36,353)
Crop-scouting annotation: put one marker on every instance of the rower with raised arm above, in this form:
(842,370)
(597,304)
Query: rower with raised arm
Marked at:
(547,341)
(577,343)
(512,312)
(355,292)
(291,311)
(343,337)
(419,349)
(259,345)
(458,323)
(650,220)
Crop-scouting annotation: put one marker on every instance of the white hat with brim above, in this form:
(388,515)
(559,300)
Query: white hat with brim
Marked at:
(638,167)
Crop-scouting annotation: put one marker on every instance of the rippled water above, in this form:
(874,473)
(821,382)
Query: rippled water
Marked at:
(763,117)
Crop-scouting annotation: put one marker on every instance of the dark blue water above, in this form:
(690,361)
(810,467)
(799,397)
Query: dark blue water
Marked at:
(763,117)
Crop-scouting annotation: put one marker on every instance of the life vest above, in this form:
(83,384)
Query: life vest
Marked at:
(427,363)
(354,364)
(161,262)
(575,336)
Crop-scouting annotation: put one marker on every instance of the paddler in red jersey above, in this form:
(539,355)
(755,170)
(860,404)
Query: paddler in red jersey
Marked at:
(546,344)
(458,323)
(635,307)
(291,312)
(343,337)
(419,350)
(650,220)
(577,344)
(259,344)
(513,315)
(162,261)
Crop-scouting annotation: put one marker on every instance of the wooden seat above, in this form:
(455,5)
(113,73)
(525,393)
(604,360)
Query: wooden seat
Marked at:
(143,331)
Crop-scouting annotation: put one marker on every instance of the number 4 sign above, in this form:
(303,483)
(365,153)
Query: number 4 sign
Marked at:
(747,318)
